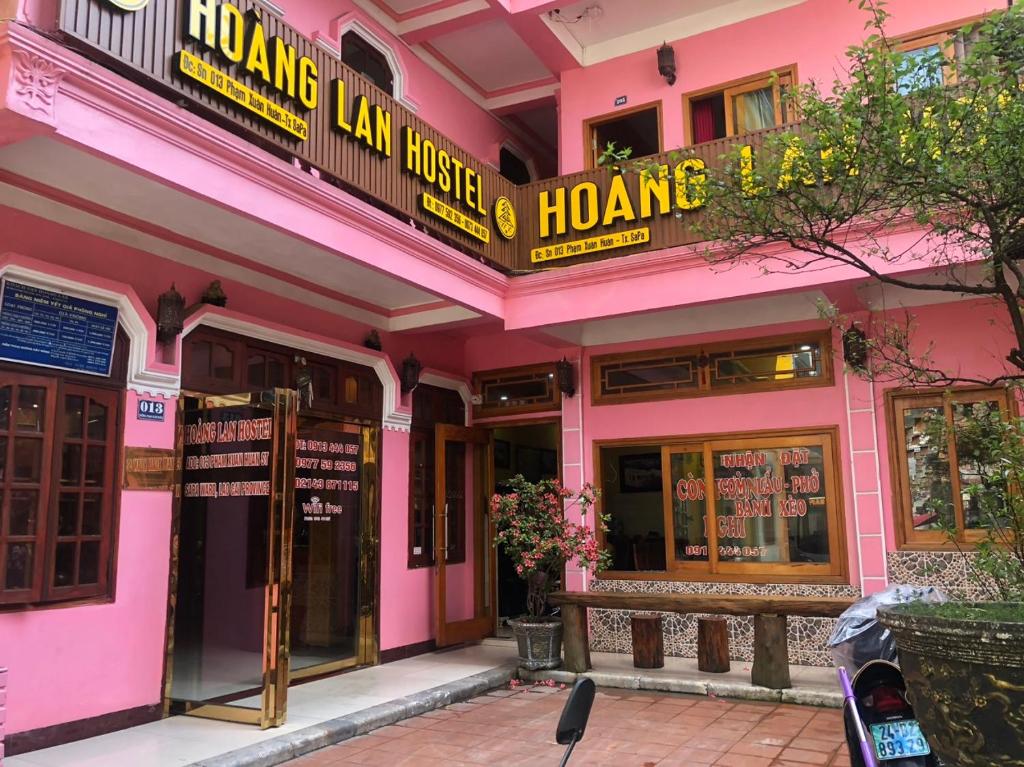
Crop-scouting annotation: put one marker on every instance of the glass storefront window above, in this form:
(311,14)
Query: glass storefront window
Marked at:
(731,506)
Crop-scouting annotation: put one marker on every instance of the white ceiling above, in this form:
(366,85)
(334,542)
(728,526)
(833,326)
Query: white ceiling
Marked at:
(60,166)
(492,55)
(612,28)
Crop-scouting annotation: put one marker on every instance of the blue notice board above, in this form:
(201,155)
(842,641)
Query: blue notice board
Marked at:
(40,327)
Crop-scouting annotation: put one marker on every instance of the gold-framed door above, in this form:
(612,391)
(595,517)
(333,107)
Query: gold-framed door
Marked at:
(463,459)
(227,658)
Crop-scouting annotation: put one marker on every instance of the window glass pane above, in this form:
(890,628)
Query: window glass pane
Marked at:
(5,407)
(94,465)
(74,414)
(928,475)
(351,390)
(255,370)
(31,407)
(777,364)
(97,421)
(323,378)
(28,459)
(19,566)
(64,564)
(3,458)
(67,514)
(668,373)
(71,464)
(770,505)
(200,355)
(982,491)
(754,110)
(24,511)
(275,372)
(92,513)
(89,562)
(223,362)
(689,507)
(919,68)
(518,389)
(631,495)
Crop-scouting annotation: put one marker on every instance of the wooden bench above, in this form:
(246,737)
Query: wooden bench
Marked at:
(771,644)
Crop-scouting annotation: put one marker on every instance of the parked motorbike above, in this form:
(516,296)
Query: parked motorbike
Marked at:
(881,729)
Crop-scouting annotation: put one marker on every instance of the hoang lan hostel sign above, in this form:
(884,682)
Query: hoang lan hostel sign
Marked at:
(234,60)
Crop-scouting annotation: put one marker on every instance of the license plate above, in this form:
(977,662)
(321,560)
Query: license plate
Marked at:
(896,740)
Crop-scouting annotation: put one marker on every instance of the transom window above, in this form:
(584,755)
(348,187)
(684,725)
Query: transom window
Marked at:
(724,507)
(58,457)
(517,390)
(764,364)
(937,463)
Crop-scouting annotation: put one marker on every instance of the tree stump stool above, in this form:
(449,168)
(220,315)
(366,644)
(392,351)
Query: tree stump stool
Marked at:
(648,646)
(713,645)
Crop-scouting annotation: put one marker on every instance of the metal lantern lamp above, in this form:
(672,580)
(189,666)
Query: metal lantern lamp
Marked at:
(855,348)
(170,315)
(411,369)
(566,377)
(667,63)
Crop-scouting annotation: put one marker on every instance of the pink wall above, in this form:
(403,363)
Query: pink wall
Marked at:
(812,35)
(97,659)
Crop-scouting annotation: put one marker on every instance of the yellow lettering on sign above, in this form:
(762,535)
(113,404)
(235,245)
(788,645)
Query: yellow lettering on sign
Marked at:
(202,22)
(257,61)
(231,33)
(284,66)
(198,70)
(656,187)
(547,209)
(619,205)
(591,245)
(448,214)
(584,202)
(691,184)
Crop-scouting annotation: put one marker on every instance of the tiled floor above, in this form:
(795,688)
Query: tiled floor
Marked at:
(626,729)
(182,740)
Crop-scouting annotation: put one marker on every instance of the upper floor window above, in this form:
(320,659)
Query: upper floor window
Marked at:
(941,470)
(367,61)
(513,167)
(739,107)
(639,129)
(724,368)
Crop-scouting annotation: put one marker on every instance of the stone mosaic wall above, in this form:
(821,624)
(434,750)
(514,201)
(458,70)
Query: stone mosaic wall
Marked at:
(947,570)
(808,637)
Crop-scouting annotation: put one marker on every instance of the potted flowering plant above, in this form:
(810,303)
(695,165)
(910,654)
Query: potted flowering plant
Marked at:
(534,528)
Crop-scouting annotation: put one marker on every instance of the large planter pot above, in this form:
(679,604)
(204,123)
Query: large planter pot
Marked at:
(965,679)
(540,642)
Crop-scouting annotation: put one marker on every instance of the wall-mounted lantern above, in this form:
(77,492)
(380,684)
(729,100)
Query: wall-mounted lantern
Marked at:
(565,374)
(411,369)
(855,348)
(170,315)
(667,63)
(372,341)
(215,295)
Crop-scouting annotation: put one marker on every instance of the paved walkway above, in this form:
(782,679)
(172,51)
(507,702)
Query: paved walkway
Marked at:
(184,740)
(627,729)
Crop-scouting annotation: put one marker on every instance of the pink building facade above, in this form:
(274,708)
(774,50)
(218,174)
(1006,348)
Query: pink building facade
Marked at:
(120,178)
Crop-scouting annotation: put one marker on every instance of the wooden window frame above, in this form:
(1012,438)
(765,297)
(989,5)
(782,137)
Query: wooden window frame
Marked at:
(548,369)
(734,88)
(898,400)
(942,35)
(837,570)
(110,391)
(592,152)
(704,388)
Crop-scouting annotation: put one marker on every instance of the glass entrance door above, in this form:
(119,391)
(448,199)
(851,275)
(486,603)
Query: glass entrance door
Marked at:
(227,654)
(463,535)
(334,487)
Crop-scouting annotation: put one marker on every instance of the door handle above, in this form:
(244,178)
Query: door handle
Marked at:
(445,532)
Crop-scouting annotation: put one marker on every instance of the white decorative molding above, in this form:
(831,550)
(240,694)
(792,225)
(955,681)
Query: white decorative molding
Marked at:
(391,417)
(397,70)
(141,379)
(442,381)
(36,81)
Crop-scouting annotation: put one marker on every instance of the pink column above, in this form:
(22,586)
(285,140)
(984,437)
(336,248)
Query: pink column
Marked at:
(865,471)
(572,461)
(3,710)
